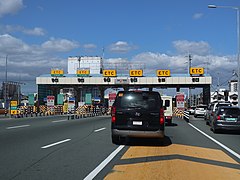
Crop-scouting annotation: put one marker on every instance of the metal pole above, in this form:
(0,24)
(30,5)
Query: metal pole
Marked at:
(238,55)
(5,94)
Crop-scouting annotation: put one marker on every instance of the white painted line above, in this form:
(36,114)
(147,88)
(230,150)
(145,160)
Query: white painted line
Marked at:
(59,121)
(217,142)
(54,144)
(97,130)
(14,127)
(95,172)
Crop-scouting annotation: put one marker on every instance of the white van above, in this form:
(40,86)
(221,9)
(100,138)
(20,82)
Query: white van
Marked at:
(168,109)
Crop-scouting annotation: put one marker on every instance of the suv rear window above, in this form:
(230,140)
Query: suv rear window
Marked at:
(229,111)
(145,100)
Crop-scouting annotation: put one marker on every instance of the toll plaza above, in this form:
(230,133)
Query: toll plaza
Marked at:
(84,83)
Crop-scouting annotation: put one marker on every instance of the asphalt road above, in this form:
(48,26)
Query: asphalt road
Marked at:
(58,148)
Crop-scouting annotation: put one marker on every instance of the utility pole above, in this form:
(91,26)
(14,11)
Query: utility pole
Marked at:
(189,90)
(5,85)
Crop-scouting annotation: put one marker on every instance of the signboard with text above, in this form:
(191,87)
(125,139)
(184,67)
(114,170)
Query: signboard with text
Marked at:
(163,73)
(196,71)
(57,72)
(136,73)
(50,100)
(180,100)
(109,73)
(83,72)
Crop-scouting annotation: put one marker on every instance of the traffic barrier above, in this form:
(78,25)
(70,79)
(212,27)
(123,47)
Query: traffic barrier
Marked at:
(186,115)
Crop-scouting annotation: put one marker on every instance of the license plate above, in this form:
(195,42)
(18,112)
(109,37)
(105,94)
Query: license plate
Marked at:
(138,123)
(231,119)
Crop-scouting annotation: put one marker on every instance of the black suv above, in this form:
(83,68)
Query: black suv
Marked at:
(137,114)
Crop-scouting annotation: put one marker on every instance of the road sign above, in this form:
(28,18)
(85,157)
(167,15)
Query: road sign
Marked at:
(88,98)
(109,73)
(180,100)
(50,100)
(57,72)
(31,99)
(14,112)
(136,73)
(196,71)
(83,72)
(60,99)
(163,73)
(13,103)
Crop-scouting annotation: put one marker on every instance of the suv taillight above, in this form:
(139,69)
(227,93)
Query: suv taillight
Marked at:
(218,117)
(161,116)
(113,114)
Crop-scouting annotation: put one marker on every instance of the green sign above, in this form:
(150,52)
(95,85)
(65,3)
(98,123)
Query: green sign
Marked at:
(13,107)
(60,99)
(31,99)
(88,99)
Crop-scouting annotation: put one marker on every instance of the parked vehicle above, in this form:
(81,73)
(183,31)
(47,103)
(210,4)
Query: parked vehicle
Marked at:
(212,108)
(200,110)
(168,109)
(226,118)
(137,114)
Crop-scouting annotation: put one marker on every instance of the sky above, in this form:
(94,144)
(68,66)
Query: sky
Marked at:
(38,35)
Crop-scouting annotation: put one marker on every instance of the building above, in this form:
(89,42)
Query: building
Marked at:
(85,62)
(233,86)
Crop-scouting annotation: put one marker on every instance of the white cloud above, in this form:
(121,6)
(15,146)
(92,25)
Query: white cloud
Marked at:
(59,45)
(184,46)
(28,61)
(37,31)
(197,16)
(121,47)
(89,46)
(10,6)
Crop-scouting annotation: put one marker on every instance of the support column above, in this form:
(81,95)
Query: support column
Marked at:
(206,94)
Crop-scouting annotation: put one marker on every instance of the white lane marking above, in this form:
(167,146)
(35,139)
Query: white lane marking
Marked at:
(95,172)
(54,144)
(217,142)
(14,127)
(97,130)
(59,121)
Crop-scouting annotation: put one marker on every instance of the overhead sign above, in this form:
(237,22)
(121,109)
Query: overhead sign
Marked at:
(57,72)
(109,73)
(137,72)
(196,71)
(83,72)
(163,73)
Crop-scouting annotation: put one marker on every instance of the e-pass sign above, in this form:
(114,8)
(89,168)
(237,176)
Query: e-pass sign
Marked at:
(163,73)
(196,71)
(109,73)
(134,73)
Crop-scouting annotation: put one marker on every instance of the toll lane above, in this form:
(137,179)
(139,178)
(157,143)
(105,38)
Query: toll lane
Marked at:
(184,154)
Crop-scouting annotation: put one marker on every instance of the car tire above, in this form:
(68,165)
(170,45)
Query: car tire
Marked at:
(116,140)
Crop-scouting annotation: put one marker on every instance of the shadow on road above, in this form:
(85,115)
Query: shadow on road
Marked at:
(166,141)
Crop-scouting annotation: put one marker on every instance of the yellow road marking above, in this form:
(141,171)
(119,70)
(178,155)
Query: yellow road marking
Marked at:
(175,162)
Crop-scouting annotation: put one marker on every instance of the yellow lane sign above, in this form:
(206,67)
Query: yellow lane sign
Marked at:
(14,103)
(83,72)
(109,73)
(57,72)
(163,73)
(14,112)
(196,71)
(137,72)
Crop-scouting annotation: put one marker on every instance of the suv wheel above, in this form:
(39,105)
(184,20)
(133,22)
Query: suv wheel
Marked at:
(116,140)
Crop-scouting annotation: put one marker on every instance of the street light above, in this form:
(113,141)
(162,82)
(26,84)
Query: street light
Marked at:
(237,8)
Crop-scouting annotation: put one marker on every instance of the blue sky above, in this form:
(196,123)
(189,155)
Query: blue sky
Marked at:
(41,34)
